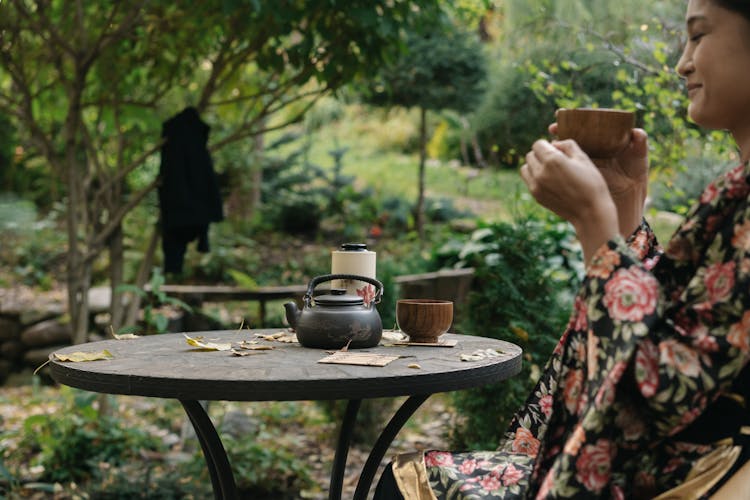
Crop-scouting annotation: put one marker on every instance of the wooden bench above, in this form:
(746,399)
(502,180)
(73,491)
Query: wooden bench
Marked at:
(449,284)
(195,295)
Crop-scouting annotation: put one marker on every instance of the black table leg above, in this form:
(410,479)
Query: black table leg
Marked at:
(342,449)
(384,442)
(222,479)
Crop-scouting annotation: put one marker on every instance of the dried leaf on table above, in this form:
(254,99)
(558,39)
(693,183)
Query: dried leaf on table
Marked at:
(254,347)
(235,352)
(278,337)
(208,346)
(480,354)
(80,356)
(126,336)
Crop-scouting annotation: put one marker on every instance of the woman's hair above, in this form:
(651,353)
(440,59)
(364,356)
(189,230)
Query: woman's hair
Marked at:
(741,7)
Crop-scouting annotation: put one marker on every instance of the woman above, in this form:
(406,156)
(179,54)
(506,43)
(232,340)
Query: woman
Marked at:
(646,389)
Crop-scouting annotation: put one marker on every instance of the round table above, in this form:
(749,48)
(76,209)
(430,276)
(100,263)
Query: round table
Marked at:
(166,366)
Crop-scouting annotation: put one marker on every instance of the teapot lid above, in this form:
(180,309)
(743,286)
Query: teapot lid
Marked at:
(339,297)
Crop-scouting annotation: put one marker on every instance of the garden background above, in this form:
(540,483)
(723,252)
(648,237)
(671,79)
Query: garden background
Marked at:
(397,123)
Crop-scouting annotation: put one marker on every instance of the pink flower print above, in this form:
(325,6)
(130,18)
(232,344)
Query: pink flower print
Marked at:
(603,263)
(545,404)
(572,389)
(367,293)
(736,184)
(739,334)
(630,294)
(438,459)
(525,443)
(490,482)
(594,463)
(579,320)
(467,467)
(511,475)
(647,368)
(709,193)
(617,493)
(546,487)
(592,355)
(575,441)
(679,356)
(741,237)
(706,343)
(719,279)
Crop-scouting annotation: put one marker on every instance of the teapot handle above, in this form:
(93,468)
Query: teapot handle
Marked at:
(329,277)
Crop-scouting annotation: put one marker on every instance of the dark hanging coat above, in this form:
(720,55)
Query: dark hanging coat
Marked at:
(189,196)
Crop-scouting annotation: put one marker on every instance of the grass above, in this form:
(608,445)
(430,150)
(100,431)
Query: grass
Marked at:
(381,155)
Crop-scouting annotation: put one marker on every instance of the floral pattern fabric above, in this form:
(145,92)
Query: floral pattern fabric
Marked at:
(654,338)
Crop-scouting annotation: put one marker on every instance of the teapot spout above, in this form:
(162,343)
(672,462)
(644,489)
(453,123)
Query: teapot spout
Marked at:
(292,313)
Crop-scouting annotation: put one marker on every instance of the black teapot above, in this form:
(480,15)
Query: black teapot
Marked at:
(337,319)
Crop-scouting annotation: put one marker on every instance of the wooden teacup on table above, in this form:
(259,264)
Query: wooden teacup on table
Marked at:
(424,320)
(600,132)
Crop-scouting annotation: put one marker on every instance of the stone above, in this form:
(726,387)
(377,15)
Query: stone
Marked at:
(46,333)
(34,316)
(37,357)
(9,329)
(12,349)
(238,425)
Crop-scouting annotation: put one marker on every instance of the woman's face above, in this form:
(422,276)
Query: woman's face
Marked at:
(716,67)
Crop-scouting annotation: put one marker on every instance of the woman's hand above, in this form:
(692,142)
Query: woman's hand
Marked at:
(626,176)
(563,179)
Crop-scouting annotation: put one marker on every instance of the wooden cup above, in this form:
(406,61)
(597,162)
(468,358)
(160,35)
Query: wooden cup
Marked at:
(600,132)
(424,320)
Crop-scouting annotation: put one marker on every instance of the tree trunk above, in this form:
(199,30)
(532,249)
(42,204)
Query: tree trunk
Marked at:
(116,264)
(419,213)
(257,172)
(144,271)
(481,163)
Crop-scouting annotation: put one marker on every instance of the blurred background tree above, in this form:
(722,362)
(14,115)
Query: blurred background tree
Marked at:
(88,88)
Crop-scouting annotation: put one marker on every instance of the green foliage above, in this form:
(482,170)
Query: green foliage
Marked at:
(677,189)
(441,69)
(154,298)
(71,443)
(267,471)
(32,249)
(511,116)
(526,274)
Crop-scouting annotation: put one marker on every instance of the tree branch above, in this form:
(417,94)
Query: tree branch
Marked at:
(93,249)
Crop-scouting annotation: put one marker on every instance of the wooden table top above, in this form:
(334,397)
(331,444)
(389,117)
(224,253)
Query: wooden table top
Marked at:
(167,366)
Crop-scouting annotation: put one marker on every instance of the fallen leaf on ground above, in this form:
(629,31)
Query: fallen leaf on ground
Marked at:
(413,365)
(208,346)
(79,356)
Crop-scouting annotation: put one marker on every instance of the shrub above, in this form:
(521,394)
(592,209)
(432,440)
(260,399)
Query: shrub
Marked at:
(526,274)
(70,444)
(676,190)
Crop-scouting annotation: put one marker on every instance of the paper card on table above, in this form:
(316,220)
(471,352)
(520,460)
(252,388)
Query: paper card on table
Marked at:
(358,358)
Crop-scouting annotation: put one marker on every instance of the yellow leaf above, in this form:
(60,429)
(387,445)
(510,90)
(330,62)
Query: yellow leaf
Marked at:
(413,365)
(126,336)
(208,346)
(520,333)
(79,356)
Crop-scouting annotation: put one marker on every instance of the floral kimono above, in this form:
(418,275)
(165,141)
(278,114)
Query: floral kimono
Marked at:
(657,341)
